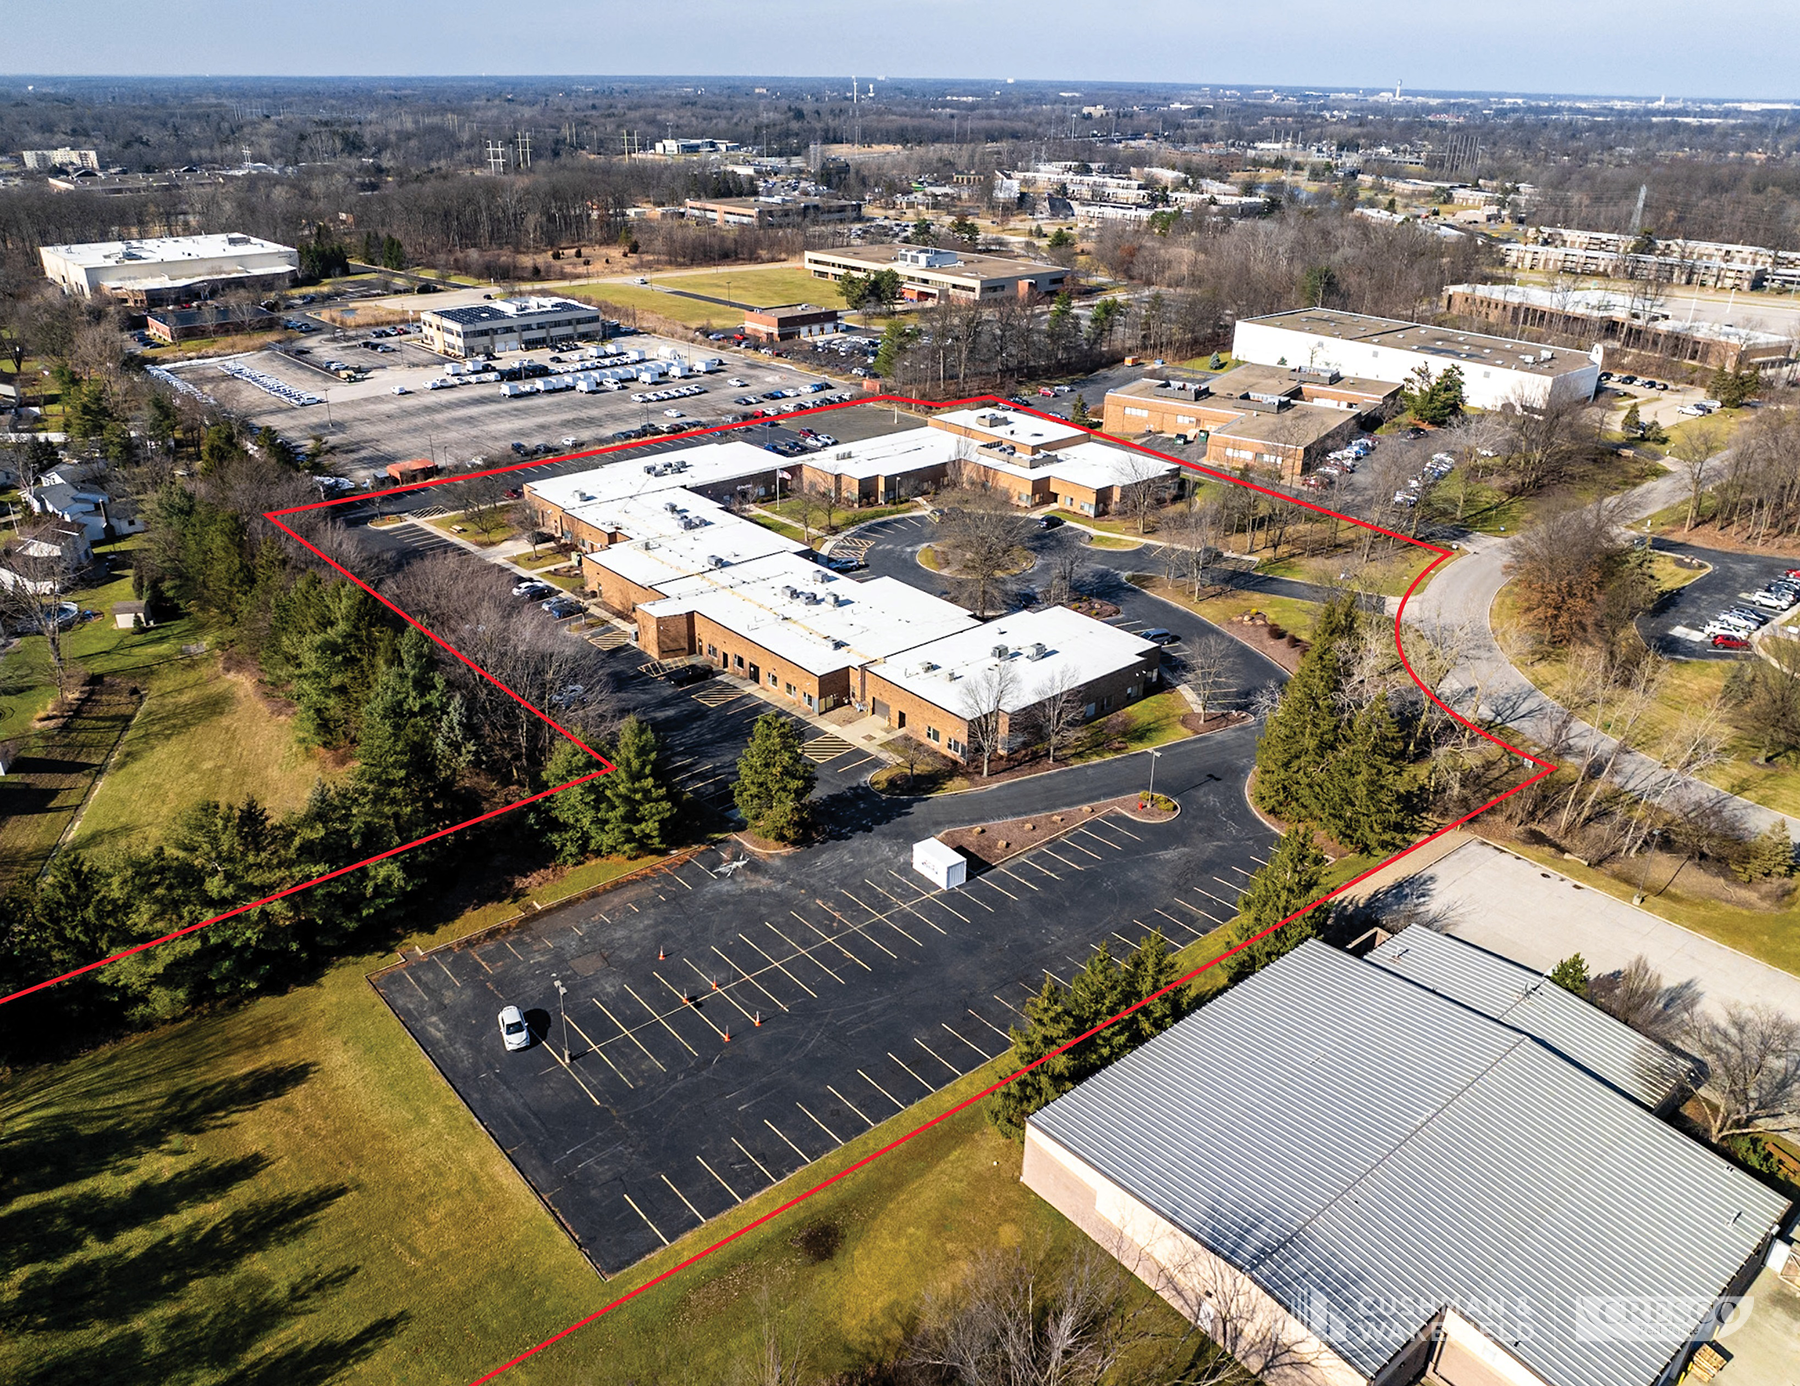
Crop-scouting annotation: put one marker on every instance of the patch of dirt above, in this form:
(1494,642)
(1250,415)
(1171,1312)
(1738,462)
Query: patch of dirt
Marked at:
(1213,721)
(1710,536)
(1094,607)
(993,843)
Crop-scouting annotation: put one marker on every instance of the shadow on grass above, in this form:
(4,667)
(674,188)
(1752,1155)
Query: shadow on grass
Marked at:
(127,1256)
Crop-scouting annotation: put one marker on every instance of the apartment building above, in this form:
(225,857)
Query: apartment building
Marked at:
(928,273)
(1669,260)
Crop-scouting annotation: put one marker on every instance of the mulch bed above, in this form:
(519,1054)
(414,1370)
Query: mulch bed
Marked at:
(1253,629)
(1213,721)
(992,843)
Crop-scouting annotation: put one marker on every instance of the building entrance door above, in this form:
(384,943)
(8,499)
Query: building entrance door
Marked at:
(755,674)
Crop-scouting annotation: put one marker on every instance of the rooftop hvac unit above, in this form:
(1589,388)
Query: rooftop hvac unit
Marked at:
(1039,650)
(583,496)
(791,592)
(714,561)
(671,507)
(649,469)
(1000,652)
(834,599)
(821,577)
(810,598)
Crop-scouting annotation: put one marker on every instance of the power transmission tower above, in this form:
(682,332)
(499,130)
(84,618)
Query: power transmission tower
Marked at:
(496,157)
(523,160)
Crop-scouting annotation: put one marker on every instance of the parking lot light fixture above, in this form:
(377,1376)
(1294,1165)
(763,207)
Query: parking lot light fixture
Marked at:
(1150,794)
(562,1006)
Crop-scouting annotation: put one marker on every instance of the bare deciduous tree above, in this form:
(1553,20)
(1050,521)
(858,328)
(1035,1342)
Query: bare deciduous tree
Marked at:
(1752,1058)
(1058,709)
(982,702)
(1209,663)
(1694,449)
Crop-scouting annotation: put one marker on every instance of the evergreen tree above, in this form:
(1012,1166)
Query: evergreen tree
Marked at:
(774,778)
(338,668)
(1292,880)
(1571,974)
(1371,806)
(1771,854)
(400,770)
(1149,969)
(1295,757)
(575,822)
(638,804)
(1049,1024)
(1632,426)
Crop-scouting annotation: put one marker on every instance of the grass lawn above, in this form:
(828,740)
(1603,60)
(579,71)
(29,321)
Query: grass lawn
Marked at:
(457,525)
(1289,612)
(1686,686)
(766,286)
(684,310)
(201,735)
(1148,722)
(277,1193)
(1123,528)
(1113,541)
(844,517)
(1387,575)
(782,527)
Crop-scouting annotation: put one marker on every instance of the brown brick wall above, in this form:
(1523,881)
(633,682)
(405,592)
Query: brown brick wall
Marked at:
(723,648)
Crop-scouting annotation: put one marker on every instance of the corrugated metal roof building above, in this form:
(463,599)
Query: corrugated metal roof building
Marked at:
(1389,1181)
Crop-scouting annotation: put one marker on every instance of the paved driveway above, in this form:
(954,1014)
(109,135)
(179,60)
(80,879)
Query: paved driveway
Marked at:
(872,991)
(1673,629)
(1534,916)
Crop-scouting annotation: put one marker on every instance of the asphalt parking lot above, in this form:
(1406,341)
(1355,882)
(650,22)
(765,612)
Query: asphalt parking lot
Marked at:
(1673,628)
(369,426)
(726,1027)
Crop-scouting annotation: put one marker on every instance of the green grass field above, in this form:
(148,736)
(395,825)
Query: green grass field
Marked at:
(684,310)
(201,734)
(765,286)
(1388,575)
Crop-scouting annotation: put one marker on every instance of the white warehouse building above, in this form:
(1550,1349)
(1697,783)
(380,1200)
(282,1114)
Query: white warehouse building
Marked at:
(1495,370)
(162,270)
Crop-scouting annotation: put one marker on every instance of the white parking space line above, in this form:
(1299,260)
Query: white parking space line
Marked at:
(903,1064)
(827,938)
(647,1223)
(990,881)
(803,952)
(735,1197)
(848,1103)
(657,1016)
(627,1033)
(724,991)
(837,1139)
(753,1160)
(790,976)
(749,977)
(899,1106)
(996,1029)
(1020,880)
(939,1057)
(698,1215)
(687,1003)
(796,1149)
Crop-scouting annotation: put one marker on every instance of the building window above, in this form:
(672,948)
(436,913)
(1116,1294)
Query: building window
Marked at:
(1137,413)
(790,687)
(772,682)
(711,653)
(931,734)
(956,747)
(807,698)
(737,661)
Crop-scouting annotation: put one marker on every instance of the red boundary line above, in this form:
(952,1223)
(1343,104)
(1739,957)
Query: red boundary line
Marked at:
(275,518)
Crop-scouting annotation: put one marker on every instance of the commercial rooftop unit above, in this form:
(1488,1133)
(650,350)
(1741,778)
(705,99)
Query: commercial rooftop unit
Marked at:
(1495,370)
(170,269)
(509,324)
(928,273)
(1409,1164)
(662,546)
(1612,317)
(1253,416)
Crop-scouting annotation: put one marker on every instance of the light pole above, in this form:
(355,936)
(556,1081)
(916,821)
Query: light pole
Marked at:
(1150,794)
(562,1007)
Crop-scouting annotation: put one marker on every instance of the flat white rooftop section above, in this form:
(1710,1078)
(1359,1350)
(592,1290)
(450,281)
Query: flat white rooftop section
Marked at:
(166,250)
(1008,426)
(1096,465)
(1076,650)
(809,616)
(631,473)
(677,533)
(942,865)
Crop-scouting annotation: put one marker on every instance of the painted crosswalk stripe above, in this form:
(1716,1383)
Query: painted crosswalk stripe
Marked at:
(826,747)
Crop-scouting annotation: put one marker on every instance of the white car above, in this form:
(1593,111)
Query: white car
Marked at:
(1772,601)
(513,1029)
(673,414)
(570,442)
(401,390)
(736,383)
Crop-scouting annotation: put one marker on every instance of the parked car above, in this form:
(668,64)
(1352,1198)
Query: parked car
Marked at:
(561,607)
(1051,521)
(1157,635)
(681,675)
(533,587)
(1730,642)
(513,1030)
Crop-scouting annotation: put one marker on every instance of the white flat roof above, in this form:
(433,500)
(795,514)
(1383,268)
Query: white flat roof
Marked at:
(163,249)
(1095,465)
(629,474)
(1078,649)
(766,601)
(1012,427)
(664,548)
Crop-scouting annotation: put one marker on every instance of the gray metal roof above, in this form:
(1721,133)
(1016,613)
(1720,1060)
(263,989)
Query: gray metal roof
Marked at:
(1498,987)
(1349,1139)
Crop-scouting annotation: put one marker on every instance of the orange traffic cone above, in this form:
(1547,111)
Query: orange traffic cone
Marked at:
(661,956)
(759,1020)
(728,1034)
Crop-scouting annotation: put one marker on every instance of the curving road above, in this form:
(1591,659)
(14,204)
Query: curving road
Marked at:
(1487,684)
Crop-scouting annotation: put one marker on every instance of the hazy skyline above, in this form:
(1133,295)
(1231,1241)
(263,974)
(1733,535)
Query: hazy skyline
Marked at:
(1731,49)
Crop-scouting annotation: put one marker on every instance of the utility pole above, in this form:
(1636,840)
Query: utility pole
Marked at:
(524,146)
(496,157)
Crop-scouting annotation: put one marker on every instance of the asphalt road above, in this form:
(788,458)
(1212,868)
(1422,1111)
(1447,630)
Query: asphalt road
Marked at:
(1673,628)
(872,990)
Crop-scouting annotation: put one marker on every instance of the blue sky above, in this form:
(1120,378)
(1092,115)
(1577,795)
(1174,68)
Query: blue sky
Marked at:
(1741,48)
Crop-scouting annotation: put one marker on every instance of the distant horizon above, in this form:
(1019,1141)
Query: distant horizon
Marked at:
(1633,50)
(1355,91)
